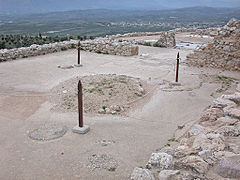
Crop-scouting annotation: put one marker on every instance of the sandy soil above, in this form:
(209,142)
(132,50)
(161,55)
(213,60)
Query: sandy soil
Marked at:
(115,145)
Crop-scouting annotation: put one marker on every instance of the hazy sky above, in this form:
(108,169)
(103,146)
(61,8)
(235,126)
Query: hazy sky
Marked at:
(29,6)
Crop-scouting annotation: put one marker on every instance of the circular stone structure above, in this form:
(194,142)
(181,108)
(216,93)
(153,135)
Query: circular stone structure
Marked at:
(48,132)
(102,93)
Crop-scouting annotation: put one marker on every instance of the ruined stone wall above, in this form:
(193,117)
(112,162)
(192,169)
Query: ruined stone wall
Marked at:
(210,149)
(135,34)
(208,31)
(110,46)
(223,53)
(100,45)
(166,39)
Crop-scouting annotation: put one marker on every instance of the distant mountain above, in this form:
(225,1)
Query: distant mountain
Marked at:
(42,6)
(195,13)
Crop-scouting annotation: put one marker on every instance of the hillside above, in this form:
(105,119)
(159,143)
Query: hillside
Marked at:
(101,22)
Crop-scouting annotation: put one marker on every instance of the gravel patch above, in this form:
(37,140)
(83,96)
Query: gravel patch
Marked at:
(102,161)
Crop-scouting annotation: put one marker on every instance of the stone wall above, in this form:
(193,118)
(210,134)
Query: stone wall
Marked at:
(110,46)
(135,34)
(166,40)
(100,45)
(223,53)
(208,31)
(210,149)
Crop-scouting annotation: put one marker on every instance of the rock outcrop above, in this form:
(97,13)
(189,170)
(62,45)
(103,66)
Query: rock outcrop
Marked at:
(223,53)
(142,174)
(210,149)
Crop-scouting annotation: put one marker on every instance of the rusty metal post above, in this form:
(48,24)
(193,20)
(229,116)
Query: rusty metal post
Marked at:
(80,104)
(177,67)
(80,128)
(79,58)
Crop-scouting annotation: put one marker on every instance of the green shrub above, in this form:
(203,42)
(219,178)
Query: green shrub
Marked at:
(98,51)
(105,52)
(148,44)
(63,48)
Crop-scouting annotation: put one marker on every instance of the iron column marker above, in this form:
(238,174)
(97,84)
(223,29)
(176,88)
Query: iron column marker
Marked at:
(79,55)
(177,70)
(176,83)
(81,128)
(80,104)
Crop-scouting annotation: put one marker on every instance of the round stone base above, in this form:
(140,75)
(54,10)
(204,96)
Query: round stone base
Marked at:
(48,132)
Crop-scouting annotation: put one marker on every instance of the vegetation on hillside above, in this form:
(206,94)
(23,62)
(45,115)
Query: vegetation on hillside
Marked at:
(20,31)
(10,41)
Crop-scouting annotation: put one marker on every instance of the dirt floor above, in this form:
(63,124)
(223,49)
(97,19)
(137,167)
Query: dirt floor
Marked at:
(116,143)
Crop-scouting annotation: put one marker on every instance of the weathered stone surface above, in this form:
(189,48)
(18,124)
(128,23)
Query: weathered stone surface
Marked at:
(210,115)
(205,154)
(237,125)
(233,97)
(208,157)
(196,163)
(229,167)
(221,154)
(211,141)
(195,130)
(142,174)
(238,87)
(168,150)
(182,151)
(233,147)
(232,112)
(226,121)
(168,175)
(222,102)
(188,176)
(184,142)
(160,160)
(228,131)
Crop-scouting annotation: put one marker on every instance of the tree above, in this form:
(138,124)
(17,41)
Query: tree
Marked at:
(2,45)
